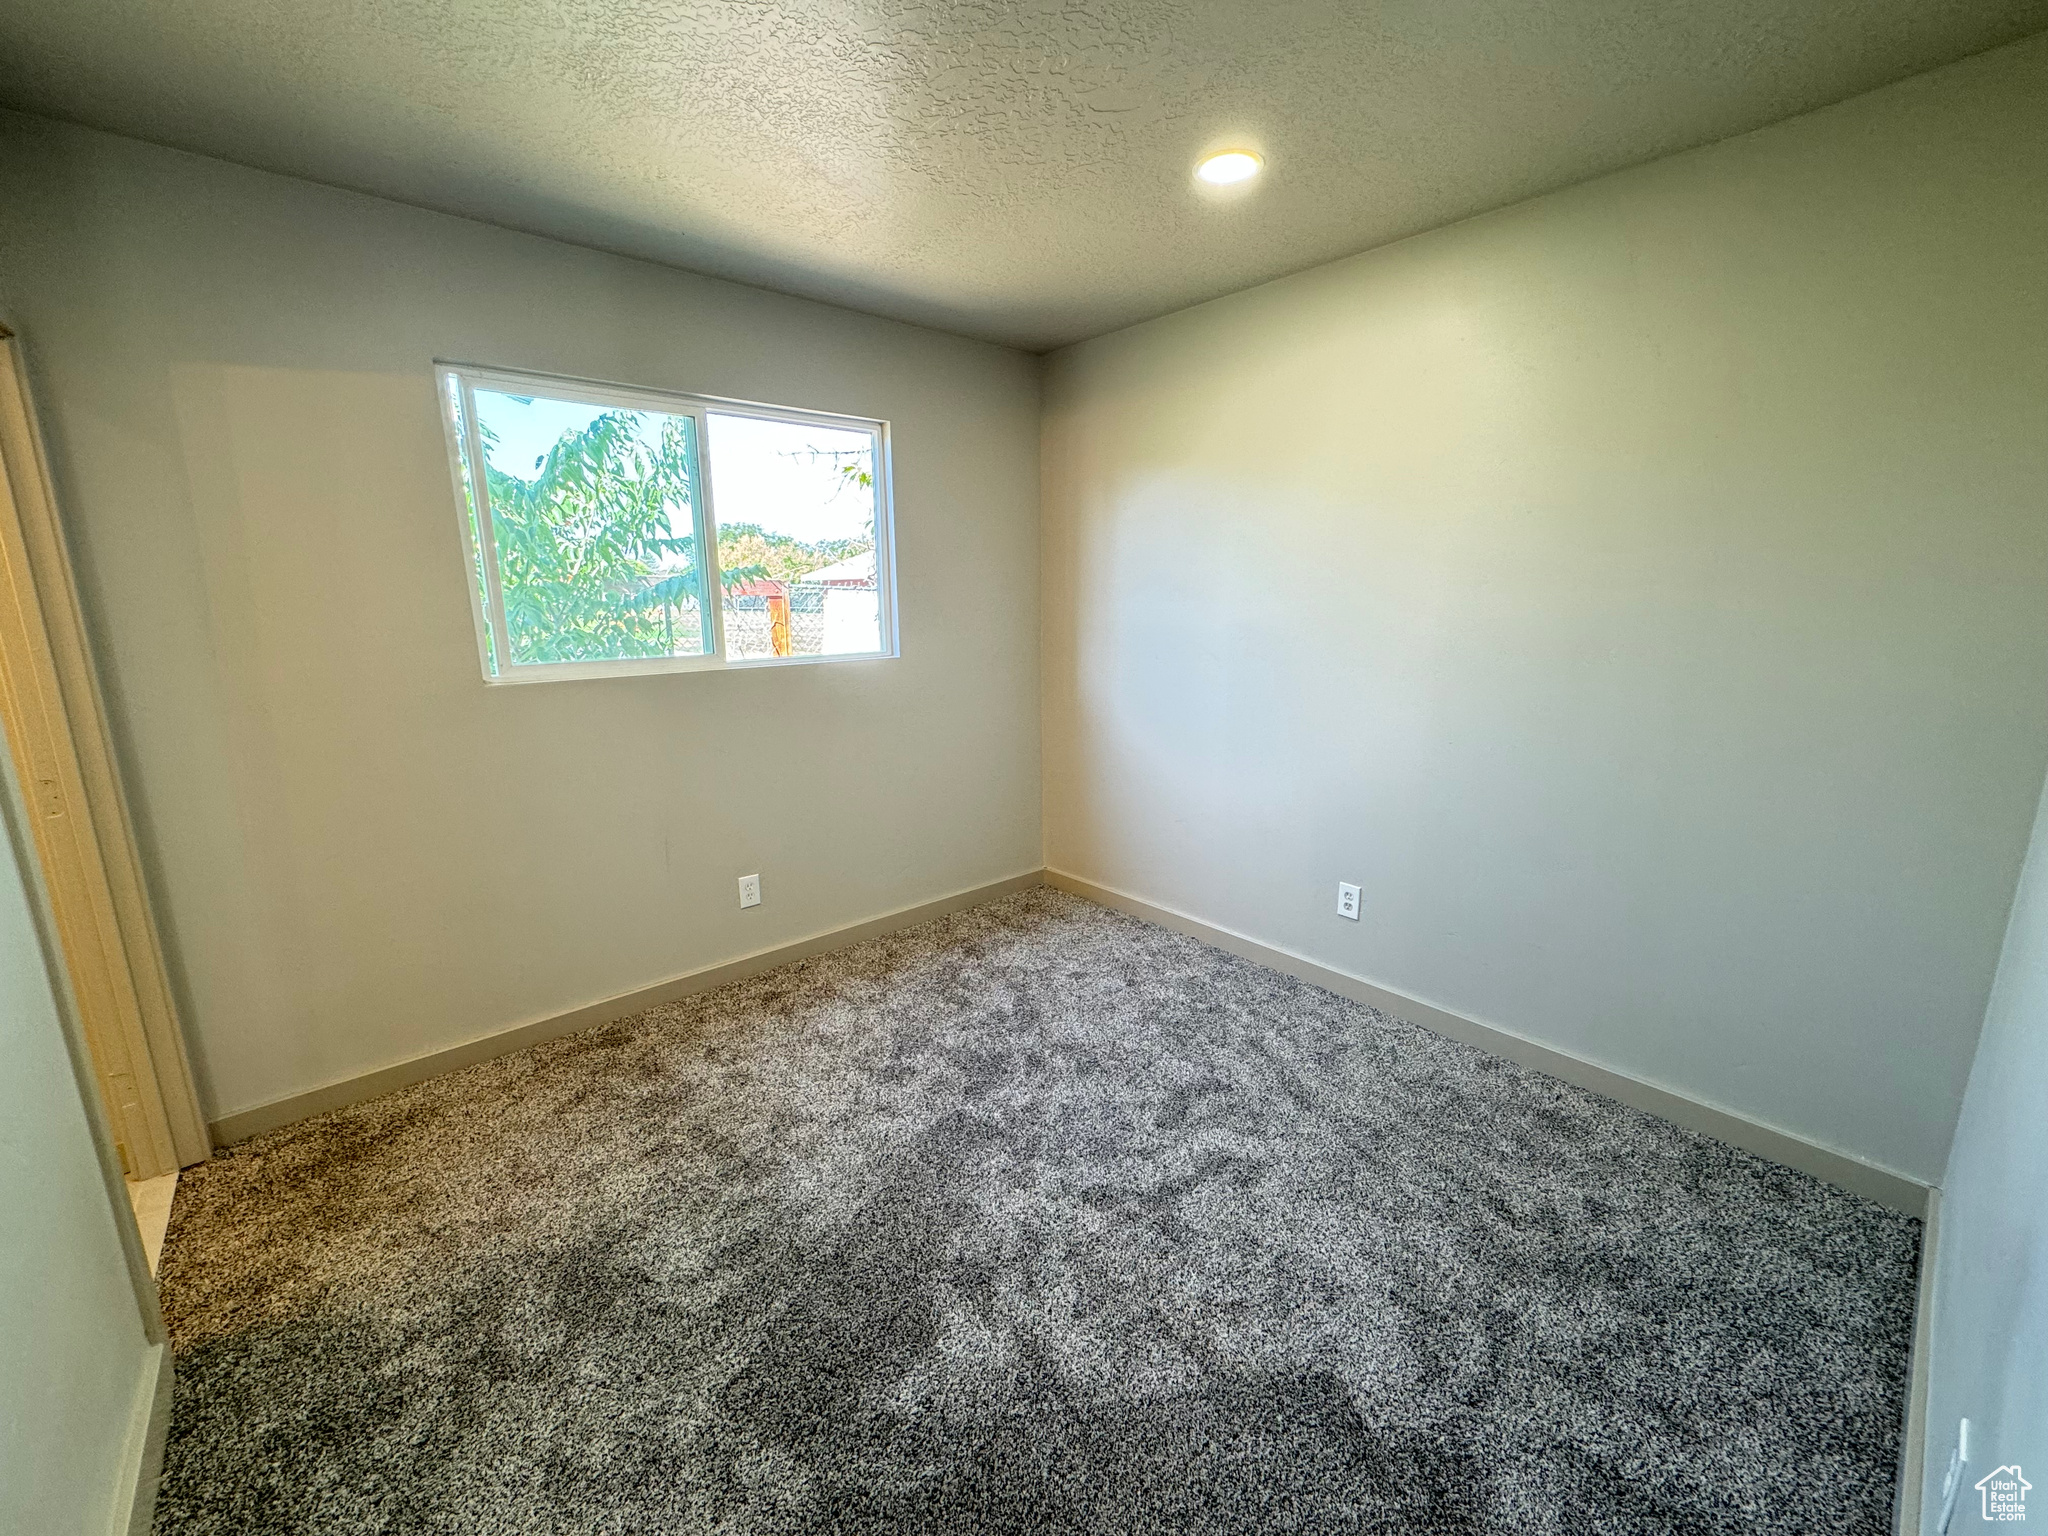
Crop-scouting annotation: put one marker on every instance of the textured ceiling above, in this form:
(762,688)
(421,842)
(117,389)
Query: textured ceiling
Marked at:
(1018,171)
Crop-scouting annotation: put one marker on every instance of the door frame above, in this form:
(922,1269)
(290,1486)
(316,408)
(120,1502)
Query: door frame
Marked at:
(56,727)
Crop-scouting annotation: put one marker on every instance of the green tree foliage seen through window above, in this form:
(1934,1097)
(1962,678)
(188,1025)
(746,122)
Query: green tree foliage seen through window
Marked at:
(591,567)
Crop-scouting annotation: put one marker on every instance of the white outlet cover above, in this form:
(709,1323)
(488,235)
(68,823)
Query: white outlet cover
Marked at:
(750,890)
(1347,901)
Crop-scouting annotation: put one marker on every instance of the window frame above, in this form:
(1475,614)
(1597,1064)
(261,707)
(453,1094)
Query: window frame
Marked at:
(464,439)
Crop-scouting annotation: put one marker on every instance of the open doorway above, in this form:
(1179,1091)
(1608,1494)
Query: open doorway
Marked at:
(56,733)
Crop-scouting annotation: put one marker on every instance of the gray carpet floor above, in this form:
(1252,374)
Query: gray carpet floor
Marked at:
(1035,1218)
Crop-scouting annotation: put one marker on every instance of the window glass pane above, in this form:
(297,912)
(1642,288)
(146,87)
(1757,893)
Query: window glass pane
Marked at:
(796,537)
(593,516)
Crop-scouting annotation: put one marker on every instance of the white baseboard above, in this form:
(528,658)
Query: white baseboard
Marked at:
(142,1461)
(245,1123)
(1886,1186)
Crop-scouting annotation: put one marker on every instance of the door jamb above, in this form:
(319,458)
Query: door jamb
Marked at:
(56,727)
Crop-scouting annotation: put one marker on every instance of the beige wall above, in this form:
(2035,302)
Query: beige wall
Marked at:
(360,851)
(1642,592)
(77,1367)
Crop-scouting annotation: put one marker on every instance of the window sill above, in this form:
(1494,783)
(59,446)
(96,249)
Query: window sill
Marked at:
(578,671)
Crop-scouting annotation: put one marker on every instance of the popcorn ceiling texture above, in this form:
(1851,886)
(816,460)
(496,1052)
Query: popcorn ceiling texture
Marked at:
(1013,171)
(1036,1218)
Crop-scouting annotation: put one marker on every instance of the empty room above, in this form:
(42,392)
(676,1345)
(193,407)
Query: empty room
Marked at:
(778,769)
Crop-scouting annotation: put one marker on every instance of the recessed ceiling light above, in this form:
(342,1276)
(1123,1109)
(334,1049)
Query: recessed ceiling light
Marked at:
(1233,165)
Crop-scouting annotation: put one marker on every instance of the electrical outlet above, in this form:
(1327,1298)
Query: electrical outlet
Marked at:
(750,890)
(1952,1485)
(1347,901)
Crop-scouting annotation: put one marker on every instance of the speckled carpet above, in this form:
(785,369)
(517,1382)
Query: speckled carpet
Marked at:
(1036,1218)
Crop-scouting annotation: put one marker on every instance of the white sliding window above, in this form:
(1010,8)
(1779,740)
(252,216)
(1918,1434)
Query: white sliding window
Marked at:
(613,530)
